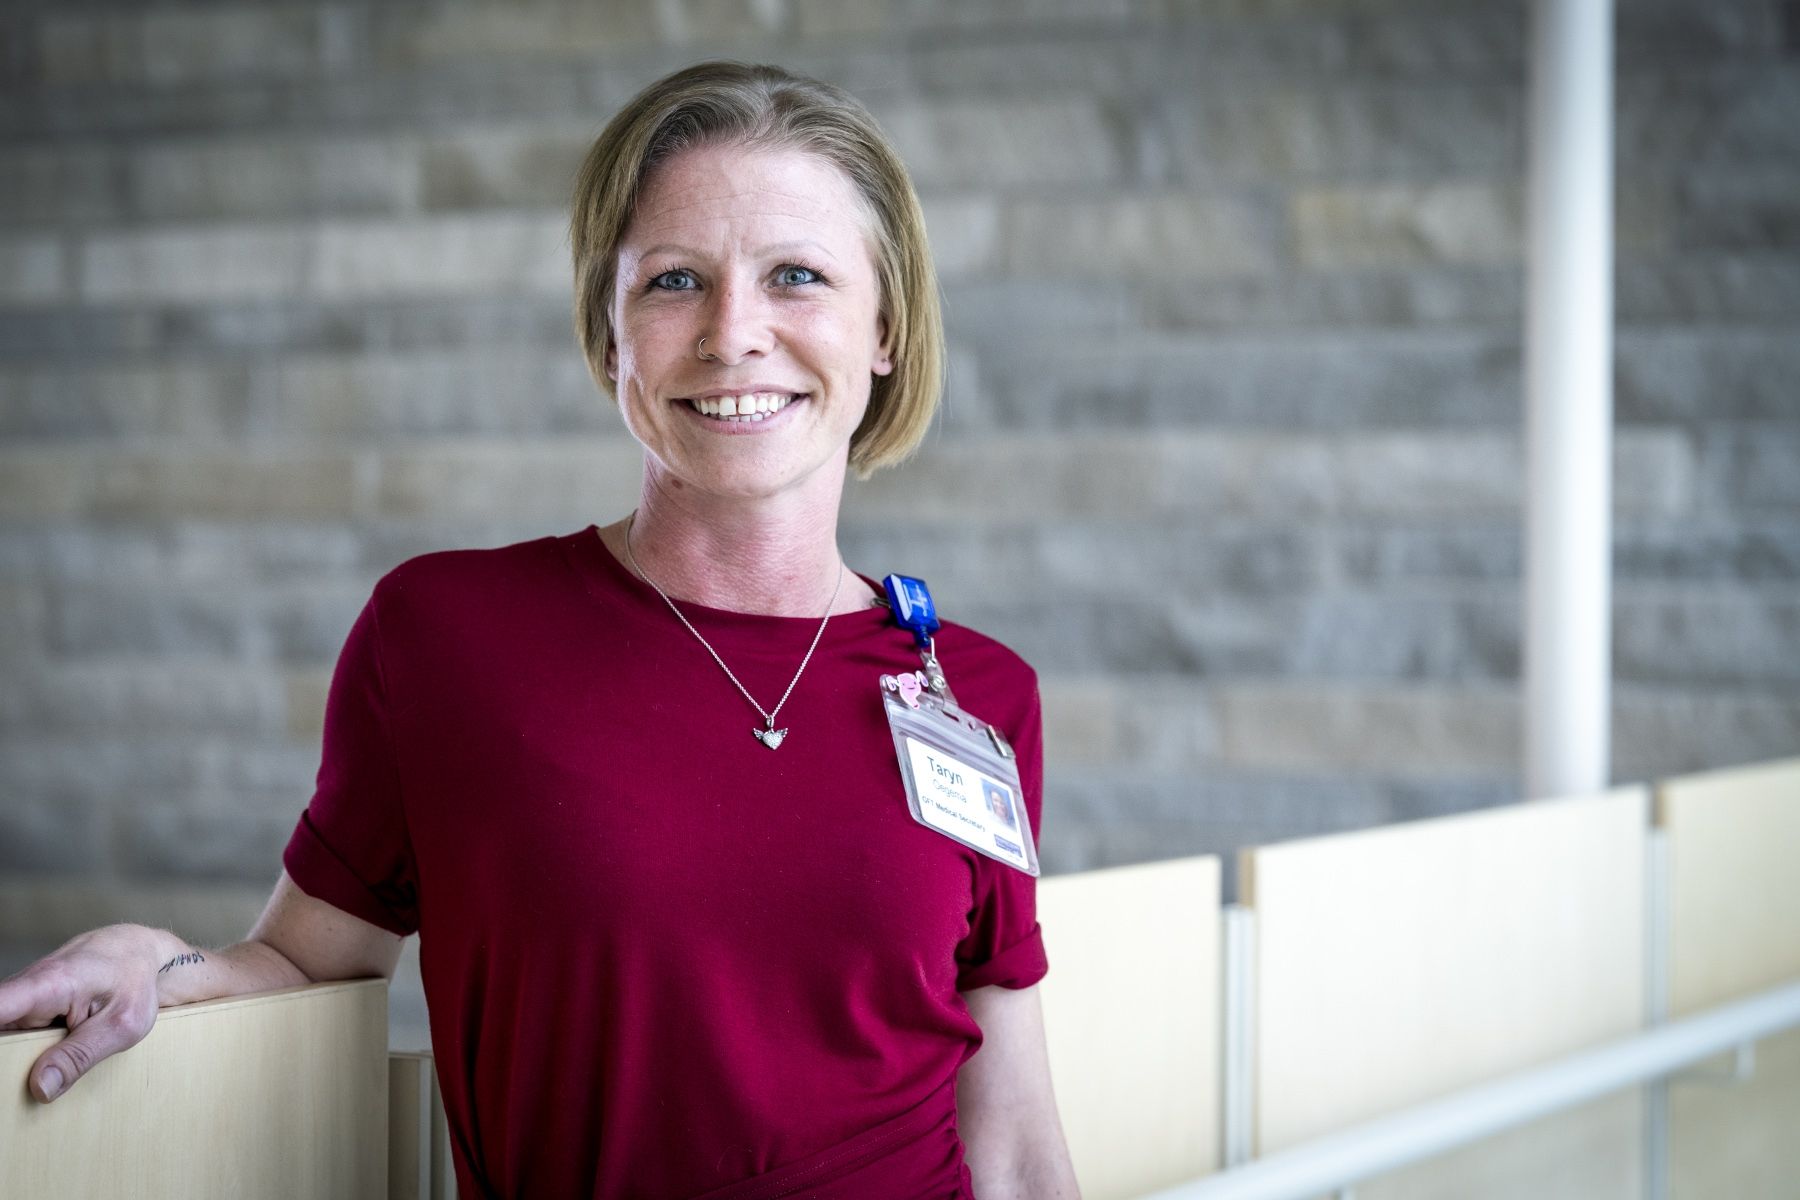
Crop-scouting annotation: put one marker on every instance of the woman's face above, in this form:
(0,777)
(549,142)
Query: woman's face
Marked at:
(767,255)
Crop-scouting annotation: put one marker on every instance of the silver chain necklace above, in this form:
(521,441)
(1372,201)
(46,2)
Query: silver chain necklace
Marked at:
(768,735)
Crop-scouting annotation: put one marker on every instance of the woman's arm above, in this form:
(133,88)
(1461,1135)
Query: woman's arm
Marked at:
(1005,1108)
(107,985)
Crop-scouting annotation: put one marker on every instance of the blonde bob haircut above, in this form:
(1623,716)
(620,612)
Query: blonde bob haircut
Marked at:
(765,107)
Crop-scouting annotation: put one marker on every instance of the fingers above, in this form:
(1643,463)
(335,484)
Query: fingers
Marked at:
(106,1011)
(32,999)
(46,1079)
(117,1025)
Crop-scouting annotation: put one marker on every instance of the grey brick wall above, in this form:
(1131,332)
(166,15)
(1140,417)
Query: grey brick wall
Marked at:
(1232,449)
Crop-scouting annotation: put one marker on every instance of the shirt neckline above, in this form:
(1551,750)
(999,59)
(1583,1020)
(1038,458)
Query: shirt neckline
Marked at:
(607,579)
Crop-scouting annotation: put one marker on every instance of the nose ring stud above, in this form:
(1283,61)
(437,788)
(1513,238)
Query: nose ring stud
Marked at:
(704,356)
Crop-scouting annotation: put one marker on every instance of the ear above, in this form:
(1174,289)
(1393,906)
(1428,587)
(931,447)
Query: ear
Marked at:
(612,362)
(884,351)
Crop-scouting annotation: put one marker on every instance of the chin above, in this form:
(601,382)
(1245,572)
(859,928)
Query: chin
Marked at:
(750,479)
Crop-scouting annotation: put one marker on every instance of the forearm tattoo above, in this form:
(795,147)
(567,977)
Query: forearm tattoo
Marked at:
(182,960)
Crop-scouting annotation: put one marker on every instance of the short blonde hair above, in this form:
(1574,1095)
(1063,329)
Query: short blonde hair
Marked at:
(726,103)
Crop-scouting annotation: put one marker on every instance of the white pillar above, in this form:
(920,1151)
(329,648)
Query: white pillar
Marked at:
(1568,389)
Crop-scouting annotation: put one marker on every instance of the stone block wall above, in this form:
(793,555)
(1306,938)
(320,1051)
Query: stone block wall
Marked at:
(1231,450)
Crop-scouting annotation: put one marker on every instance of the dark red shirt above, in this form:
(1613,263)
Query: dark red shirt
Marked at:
(662,960)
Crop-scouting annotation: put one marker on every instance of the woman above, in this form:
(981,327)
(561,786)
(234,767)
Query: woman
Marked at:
(664,958)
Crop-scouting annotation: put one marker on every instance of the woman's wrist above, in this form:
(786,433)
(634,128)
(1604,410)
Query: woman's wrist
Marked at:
(186,974)
(172,959)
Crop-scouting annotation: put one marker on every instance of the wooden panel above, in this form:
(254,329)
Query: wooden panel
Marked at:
(410,1085)
(1734,893)
(419,1165)
(1131,1008)
(277,1094)
(1402,963)
(1734,929)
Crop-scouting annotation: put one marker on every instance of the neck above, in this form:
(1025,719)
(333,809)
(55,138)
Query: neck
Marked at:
(774,555)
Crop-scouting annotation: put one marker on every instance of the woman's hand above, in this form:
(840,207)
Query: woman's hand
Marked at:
(102,985)
(107,985)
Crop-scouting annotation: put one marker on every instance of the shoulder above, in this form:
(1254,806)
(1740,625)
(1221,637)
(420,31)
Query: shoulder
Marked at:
(991,680)
(457,578)
(989,654)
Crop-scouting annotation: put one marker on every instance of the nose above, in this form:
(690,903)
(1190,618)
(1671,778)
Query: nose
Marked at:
(740,324)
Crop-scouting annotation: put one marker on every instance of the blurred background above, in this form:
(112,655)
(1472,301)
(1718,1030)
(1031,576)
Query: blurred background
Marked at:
(1231,450)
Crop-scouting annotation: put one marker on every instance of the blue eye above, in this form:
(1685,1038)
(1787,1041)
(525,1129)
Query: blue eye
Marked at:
(793,275)
(678,280)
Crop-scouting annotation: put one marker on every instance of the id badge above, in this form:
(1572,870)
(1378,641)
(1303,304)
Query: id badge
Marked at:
(961,777)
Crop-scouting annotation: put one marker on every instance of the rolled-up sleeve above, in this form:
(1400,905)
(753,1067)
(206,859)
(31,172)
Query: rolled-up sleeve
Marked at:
(351,847)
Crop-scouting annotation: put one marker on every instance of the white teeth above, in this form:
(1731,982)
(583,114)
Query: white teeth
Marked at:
(753,407)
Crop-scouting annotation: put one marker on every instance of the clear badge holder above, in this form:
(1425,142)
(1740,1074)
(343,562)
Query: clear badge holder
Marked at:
(961,776)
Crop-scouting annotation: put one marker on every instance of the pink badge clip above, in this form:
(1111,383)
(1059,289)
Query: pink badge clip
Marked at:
(909,687)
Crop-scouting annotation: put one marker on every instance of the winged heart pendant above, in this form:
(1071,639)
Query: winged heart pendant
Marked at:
(771,738)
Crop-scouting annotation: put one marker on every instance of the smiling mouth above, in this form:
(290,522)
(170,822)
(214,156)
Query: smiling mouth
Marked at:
(747,409)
